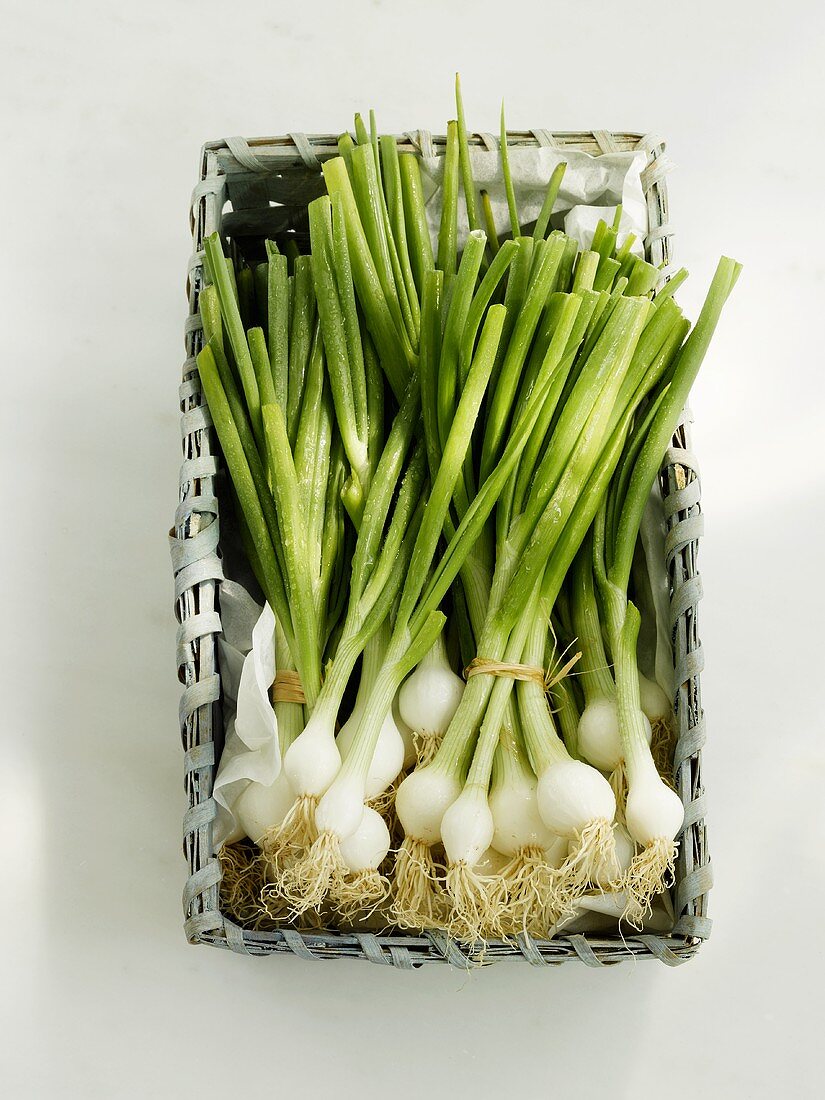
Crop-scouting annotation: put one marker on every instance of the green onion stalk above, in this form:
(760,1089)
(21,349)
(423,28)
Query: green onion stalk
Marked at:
(343,345)
(288,482)
(419,904)
(286,507)
(381,556)
(384,294)
(525,882)
(360,250)
(654,814)
(598,731)
(424,796)
(656,362)
(615,866)
(476,588)
(467,825)
(416,624)
(650,591)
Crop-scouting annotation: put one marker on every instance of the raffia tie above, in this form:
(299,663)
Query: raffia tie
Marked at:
(483,666)
(287,688)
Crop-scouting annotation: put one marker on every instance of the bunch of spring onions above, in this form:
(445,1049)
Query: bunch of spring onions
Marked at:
(440,454)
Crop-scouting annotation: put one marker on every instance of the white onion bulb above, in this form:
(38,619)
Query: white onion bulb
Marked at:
(429,698)
(655,704)
(491,863)
(467,827)
(421,801)
(653,811)
(312,760)
(600,741)
(366,849)
(518,824)
(557,850)
(571,794)
(388,758)
(606,872)
(259,807)
(342,807)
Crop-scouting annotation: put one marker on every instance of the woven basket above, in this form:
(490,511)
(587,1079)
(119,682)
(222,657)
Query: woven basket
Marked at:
(266,181)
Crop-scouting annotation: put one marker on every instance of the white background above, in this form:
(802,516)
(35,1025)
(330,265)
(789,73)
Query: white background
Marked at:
(104,107)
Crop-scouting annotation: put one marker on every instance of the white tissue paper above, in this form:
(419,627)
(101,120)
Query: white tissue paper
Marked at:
(602,912)
(591,189)
(247,662)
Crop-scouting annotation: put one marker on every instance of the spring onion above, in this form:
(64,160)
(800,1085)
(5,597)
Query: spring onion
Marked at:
(459,431)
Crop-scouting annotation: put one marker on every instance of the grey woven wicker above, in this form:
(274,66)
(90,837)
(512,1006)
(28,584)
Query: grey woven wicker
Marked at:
(267,183)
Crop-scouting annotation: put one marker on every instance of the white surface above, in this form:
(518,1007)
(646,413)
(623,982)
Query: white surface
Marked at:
(104,107)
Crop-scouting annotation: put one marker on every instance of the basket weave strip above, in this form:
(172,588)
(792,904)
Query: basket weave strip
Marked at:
(252,175)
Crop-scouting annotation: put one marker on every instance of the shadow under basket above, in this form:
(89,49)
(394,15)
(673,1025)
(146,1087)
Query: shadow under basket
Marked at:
(252,189)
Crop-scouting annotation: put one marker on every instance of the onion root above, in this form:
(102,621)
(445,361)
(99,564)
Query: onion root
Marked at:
(283,844)
(528,881)
(307,882)
(419,900)
(650,873)
(426,747)
(357,894)
(662,748)
(477,904)
(594,848)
